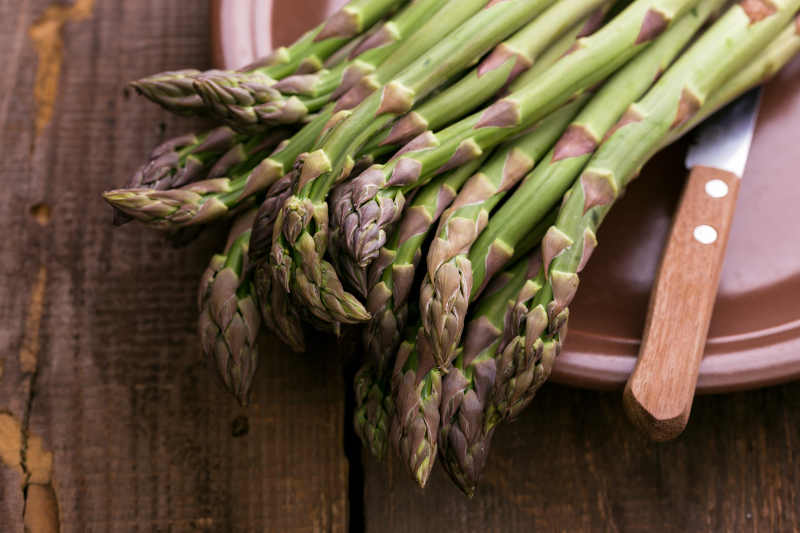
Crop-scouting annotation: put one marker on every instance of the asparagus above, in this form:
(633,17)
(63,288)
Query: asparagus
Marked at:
(504,64)
(281,318)
(176,90)
(301,234)
(229,318)
(391,280)
(245,102)
(677,96)
(468,272)
(207,200)
(774,57)
(444,296)
(417,395)
(592,59)
(463,438)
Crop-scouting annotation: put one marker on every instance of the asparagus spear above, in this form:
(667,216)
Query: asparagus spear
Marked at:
(774,57)
(463,438)
(592,59)
(678,95)
(208,200)
(444,296)
(176,91)
(504,64)
(282,318)
(417,395)
(191,157)
(457,278)
(301,234)
(391,280)
(243,101)
(229,318)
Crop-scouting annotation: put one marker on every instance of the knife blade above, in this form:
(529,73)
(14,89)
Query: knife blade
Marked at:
(723,140)
(659,393)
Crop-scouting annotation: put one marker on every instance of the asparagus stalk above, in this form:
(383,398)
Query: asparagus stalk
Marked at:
(176,90)
(282,318)
(720,52)
(768,63)
(191,157)
(444,296)
(391,280)
(207,200)
(505,63)
(463,438)
(366,57)
(593,58)
(543,188)
(302,228)
(417,396)
(246,102)
(229,318)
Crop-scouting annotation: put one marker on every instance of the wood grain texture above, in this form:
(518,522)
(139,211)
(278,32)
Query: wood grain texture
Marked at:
(658,395)
(573,462)
(100,353)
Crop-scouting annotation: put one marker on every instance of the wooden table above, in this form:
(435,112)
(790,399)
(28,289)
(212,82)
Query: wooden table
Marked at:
(111,421)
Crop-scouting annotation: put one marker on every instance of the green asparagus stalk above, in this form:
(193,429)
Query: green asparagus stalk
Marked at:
(192,157)
(249,103)
(444,296)
(592,59)
(301,234)
(229,318)
(366,57)
(391,280)
(762,68)
(504,64)
(543,188)
(463,437)
(176,90)
(282,318)
(417,396)
(208,200)
(715,57)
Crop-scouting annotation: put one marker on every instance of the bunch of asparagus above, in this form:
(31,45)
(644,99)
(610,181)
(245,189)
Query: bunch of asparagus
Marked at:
(436,171)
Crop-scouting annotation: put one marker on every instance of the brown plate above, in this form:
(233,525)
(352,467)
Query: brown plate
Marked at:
(754,338)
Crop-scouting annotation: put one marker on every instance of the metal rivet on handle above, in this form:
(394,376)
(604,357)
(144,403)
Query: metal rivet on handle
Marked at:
(716,188)
(705,234)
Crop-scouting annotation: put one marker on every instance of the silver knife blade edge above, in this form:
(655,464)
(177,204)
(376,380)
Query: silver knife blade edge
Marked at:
(723,140)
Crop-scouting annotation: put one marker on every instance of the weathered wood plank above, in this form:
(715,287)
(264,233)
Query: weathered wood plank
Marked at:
(573,462)
(142,435)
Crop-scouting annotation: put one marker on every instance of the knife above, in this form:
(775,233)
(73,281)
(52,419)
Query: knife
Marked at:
(658,395)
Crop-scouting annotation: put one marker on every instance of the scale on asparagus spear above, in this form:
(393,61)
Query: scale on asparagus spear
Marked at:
(444,198)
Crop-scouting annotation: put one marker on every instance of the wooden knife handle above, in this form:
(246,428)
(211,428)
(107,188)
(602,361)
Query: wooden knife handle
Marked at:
(659,393)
